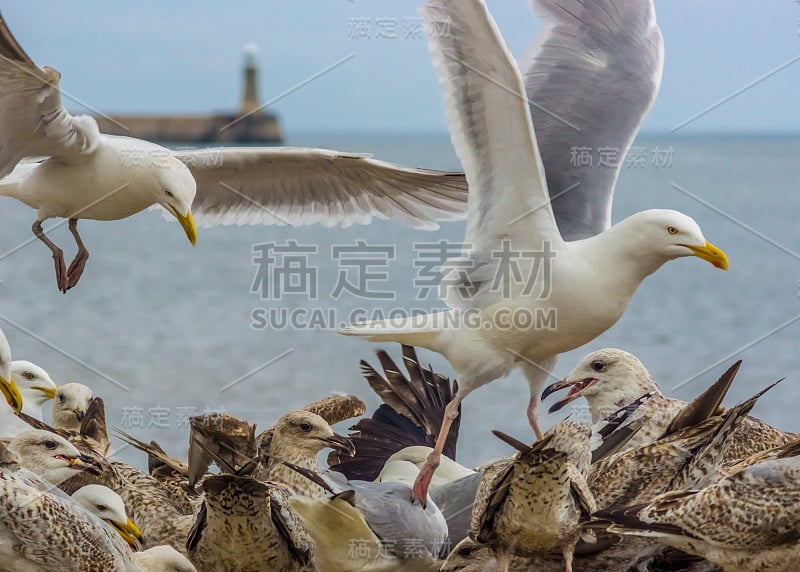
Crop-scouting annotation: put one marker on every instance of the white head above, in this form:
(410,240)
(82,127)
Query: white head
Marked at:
(108,506)
(662,235)
(163,559)
(8,387)
(306,433)
(70,405)
(607,378)
(175,191)
(51,457)
(33,382)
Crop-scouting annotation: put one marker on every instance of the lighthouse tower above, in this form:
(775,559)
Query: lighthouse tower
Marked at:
(250,100)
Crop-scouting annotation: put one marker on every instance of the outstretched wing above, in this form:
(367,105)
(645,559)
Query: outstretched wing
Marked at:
(298,186)
(33,122)
(490,127)
(591,77)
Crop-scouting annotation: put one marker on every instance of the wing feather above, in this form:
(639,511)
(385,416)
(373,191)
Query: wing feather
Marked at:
(299,186)
(591,77)
(33,121)
(490,127)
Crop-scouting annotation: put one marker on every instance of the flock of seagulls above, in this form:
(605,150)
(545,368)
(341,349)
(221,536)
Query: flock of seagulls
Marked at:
(650,483)
(655,484)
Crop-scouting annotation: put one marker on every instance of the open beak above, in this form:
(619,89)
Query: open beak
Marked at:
(128,531)
(49,392)
(11,392)
(341,443)
(711,254)
(574,393)
(187,222)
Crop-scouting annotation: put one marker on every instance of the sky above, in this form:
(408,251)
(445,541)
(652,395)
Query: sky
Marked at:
(325,76)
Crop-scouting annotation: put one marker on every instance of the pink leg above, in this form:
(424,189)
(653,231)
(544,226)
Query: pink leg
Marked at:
(58,256)
(76,268)
(567,553)
(423,481)
(533,418)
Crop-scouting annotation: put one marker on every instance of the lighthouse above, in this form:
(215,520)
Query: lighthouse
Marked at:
(250,101)
(251,123)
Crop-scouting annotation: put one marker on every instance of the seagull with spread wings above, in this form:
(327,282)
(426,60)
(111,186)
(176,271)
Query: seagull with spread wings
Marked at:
(80,173)
(535,284)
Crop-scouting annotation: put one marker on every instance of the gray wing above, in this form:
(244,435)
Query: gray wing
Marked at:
(298,186)
(404,527)
(455,500)
(32,119)
(591,78)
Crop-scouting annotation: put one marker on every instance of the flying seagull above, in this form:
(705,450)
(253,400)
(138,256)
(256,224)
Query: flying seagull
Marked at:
(524,294)
(80,173)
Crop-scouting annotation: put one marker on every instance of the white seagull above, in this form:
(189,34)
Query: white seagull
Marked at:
(523,293)
(35,387)
(88,175)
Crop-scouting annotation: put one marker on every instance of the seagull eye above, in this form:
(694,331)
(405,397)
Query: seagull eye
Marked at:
(29,375)
(61,397)
(102,507)
(169,194)
(50,444)
(672,230)
(465,552)
(305,427)
(598,365)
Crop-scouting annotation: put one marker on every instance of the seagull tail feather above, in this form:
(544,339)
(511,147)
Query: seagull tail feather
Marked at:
(419,330)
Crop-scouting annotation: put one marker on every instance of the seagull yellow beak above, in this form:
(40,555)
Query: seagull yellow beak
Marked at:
(711,254)
(76,461)
(11,392)
(187,222)
(128,531)
(49,392)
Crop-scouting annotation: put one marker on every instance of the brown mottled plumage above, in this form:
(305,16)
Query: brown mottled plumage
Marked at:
(683,458)
(232,439)
(41,529)
(610,378)
(535,504)
(160,518)
(170,472)
(244,524)
(691,457)
(747,522)
(790,449)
